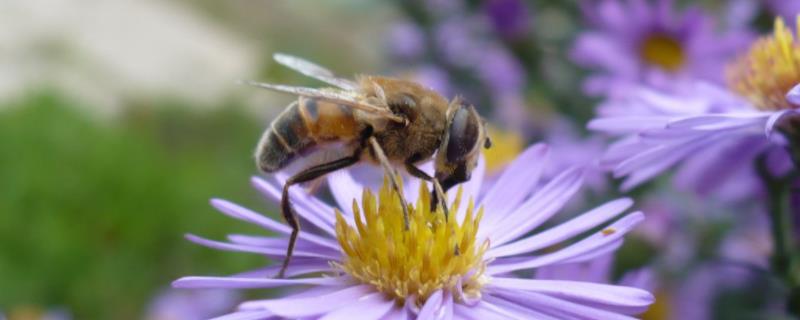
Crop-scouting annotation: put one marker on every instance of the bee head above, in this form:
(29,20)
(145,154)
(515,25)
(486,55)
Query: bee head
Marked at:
(464,136)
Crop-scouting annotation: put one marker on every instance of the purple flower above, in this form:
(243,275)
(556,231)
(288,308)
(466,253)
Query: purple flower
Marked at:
(510,18)
(647,42)
(362,264)
(714,133)
(406,41)
(196,304)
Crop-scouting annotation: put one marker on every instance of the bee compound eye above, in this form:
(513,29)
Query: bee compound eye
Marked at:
(463,133)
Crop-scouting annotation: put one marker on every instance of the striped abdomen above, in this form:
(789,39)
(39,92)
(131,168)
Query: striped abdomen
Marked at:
(305,124)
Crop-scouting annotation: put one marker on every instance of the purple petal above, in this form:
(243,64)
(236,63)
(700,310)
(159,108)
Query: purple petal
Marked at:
(431,307)
(273,252)
(627,124)
(345,189)
(314,211)
(769,128)
(397,313)
(793,96)
(579,291)
(250,283)
(517,180)
(235,211)
(602,251)
(486,310)
(246,315)
(372,306)
(567,309)
(590,245)
(298,266)
(716,121)
(564,231)
(310,306)
(537,209)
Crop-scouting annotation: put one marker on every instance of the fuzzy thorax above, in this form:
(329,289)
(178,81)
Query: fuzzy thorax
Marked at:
(432,254)
(769,69)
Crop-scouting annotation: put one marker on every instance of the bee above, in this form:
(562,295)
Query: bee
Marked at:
(390,122)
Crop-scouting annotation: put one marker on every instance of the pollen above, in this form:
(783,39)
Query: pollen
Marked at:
(768,70)
(608,231)
(663,51)
(433,253)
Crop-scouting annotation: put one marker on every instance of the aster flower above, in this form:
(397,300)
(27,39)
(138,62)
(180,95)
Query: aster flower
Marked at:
(715,133)
(510,18)
(361,264)
(649,42)
(173,304)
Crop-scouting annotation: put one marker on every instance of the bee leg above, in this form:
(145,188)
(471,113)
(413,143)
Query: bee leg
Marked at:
(437,196)
(378,151)
(286,207)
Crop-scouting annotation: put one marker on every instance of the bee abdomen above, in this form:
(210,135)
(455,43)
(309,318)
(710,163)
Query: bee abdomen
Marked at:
(305,124)
(286,137)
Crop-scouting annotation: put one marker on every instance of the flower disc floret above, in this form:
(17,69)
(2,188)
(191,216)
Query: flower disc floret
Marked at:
(434,253)
(769,69)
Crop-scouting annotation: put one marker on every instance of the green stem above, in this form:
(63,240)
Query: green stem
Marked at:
(778,207)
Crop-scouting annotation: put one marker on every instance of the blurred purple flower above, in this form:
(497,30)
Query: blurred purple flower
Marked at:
(510,18)
(647,42)
(433,77)
(713,133)
(571,149)
(515,205)
(174,304)
(788,9)
(500,71)
(406,41)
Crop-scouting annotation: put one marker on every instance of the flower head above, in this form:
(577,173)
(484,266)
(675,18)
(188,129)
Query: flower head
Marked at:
(433,254)
(769,70)
(362,263)
(715,133)
(633,42)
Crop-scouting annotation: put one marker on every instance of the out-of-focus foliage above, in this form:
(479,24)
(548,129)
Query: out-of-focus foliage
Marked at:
(91,214)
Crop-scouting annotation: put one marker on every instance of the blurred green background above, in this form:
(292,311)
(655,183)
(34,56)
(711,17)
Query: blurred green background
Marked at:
(119,120)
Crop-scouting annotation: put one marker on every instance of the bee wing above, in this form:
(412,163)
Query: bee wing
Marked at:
(348,98)
(314,70)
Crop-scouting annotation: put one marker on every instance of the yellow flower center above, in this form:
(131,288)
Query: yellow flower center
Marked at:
(663,51)
(769,69)
(432,254)
(506,146)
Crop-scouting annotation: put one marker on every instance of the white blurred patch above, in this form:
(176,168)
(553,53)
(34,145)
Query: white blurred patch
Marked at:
(102,51)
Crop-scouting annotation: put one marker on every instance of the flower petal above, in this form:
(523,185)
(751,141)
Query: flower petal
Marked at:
(314,211)
(793,96)
(397,313)
(372,306)
(272,252)
(579,291)
(564,231)
(535,210)
(298,266)
(627,124)
(431,306)
(566,309)
(517,181)
(310,306)
(238,212)
(590,245)
(249,283)
(345,189)
(246,315)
